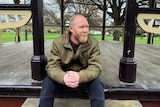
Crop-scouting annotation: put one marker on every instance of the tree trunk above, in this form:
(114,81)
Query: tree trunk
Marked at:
(116,35)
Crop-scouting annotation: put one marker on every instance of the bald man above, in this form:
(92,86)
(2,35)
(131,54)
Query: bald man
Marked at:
(74,63)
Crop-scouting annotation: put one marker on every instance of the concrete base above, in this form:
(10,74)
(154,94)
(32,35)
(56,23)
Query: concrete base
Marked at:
(33,102)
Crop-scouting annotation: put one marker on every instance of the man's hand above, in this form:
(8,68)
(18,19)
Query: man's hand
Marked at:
(71,79)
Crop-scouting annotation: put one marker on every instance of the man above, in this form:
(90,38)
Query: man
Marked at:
(74,63)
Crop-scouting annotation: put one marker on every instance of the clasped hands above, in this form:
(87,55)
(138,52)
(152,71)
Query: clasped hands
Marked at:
(71,79)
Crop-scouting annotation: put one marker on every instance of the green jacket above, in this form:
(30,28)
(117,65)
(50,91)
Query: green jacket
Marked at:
(86,60)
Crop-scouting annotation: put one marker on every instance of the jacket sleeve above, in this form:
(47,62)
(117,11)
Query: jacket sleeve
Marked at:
(54,65)
(94,68)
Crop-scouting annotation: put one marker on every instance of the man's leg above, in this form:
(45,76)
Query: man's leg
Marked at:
(96,93)
(47,93)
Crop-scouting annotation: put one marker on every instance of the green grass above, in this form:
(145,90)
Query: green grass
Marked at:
(144,40)
(98,37)
(10,37)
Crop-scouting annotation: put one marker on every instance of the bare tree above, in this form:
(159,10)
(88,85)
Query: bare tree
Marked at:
(52,11)
(116,13)
(21,1)
(88,9)
(16,1)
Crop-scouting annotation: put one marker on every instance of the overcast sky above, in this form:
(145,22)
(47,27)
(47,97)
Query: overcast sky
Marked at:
(6,1)
(9,1)
(22,1)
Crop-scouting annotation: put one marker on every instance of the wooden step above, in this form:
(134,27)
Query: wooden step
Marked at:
(62,102)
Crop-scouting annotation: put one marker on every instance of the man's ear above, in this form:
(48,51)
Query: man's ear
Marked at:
(70,28)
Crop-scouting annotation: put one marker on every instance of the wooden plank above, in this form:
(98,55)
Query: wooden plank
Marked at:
(120,92)
(15,67)
(15,62)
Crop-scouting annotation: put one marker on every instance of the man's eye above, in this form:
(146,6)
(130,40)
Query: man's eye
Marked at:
(82,27)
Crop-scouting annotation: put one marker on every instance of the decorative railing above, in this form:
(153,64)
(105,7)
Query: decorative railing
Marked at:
(14,16)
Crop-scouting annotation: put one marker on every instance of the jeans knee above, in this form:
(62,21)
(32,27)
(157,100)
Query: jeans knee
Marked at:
(47,82)
(97,83)
(96,90)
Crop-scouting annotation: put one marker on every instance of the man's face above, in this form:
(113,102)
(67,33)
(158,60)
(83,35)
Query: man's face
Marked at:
(80,29)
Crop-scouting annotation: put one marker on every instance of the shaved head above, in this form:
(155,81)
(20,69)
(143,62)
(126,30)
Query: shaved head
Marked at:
(72,19)
(79,29)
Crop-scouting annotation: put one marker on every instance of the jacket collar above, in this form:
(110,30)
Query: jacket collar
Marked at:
(66,41)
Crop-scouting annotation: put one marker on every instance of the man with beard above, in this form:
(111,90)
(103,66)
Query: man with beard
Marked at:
(74,63)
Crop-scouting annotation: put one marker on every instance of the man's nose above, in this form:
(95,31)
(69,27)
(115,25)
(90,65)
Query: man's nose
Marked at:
(85,29)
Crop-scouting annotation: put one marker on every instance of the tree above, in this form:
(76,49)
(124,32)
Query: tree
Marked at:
(16,1)
(102,6)
(117,13)
(51,12)
(70,7)
(88,9)
(21,1)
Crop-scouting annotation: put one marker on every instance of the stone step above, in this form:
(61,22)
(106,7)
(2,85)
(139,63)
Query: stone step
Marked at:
(63,102)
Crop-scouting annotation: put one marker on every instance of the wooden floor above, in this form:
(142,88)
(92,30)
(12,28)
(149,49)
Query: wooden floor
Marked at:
(15,61)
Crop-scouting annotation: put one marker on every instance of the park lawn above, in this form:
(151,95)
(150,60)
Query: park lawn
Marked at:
(144,40)
(10,37)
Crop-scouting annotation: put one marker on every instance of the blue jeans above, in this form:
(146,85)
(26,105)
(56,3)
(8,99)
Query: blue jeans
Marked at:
(49,88)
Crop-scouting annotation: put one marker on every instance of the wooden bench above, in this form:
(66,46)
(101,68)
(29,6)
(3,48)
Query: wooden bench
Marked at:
(123,92)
